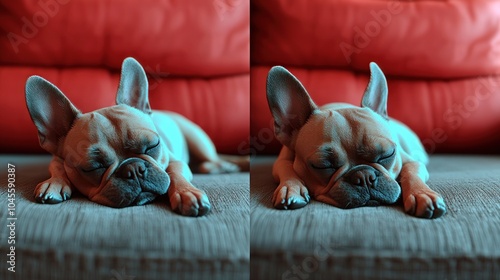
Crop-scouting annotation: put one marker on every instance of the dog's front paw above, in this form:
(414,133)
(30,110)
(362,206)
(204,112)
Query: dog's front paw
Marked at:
(189,201)
(52,191)
(291,194)
(428,204)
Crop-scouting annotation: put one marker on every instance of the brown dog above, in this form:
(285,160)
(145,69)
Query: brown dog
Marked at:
(345,155)
(122,155)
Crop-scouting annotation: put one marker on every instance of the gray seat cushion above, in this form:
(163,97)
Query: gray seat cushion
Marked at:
(79,239)
(323,242)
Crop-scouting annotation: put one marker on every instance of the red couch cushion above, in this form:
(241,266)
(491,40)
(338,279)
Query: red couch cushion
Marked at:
(441,59)
(434,39)
(193,38)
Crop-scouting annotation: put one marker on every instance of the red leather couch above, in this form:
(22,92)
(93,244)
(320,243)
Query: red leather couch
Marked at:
(441,59)
(196,54)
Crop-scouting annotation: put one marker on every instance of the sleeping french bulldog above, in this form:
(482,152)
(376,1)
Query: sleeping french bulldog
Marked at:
(122,155)
(345,155)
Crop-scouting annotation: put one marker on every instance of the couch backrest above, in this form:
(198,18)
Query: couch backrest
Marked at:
(196,54)
(441,58)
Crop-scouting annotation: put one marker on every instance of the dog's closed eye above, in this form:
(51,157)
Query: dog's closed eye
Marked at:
(387,157)
(323,167)
(153,149)
(92,167)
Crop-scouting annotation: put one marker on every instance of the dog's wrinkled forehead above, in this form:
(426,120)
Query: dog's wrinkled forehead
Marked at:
(120,126)
(362,121)
(350,128)
(346,123)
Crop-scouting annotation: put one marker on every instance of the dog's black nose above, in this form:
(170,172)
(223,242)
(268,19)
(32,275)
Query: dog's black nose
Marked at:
(132,169)
(363,177)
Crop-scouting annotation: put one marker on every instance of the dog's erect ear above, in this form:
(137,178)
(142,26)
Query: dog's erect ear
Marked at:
(289,102)
(375,96)
(133,88)
(51,112)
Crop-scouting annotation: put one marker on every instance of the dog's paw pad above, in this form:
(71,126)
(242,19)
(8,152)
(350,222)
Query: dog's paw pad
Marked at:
(52,191)
(427,205)
(291,195)
(190,202)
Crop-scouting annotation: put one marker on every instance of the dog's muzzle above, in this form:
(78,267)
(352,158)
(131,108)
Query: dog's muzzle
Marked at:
(364,185)
(134,182)
(132,169)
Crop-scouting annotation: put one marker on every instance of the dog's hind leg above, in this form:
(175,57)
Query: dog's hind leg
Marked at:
(203,154)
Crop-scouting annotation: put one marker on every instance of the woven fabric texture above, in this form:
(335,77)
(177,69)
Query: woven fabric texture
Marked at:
(323,242)
(79,239)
